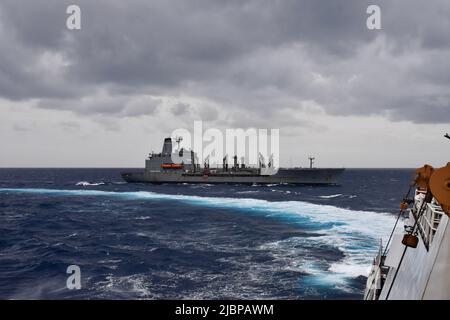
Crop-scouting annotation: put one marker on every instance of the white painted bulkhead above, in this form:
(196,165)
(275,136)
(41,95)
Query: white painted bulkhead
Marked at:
(423,274)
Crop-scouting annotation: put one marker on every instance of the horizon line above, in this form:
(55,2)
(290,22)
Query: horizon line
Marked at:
(406,168)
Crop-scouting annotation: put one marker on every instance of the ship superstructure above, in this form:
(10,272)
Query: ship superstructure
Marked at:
(161,168)
(416,265)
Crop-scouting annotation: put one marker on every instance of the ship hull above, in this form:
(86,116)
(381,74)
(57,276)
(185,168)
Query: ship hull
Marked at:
(415,272)
(307,176)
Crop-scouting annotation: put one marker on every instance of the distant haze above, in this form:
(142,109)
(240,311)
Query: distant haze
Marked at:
(107,95)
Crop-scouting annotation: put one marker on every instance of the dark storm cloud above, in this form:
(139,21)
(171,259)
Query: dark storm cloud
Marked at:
(256,58)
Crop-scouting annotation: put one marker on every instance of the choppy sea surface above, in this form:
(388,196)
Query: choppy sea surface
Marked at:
(187,241)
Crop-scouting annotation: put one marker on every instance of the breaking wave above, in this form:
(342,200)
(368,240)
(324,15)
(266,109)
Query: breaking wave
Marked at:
(88,184)
(331,196)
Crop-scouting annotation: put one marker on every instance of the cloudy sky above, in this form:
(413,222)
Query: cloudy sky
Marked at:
(106,95)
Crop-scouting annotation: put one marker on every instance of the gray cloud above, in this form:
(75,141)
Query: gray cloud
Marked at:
(180,109)
(70,126)
(104,104)
(20,128)
(259,61)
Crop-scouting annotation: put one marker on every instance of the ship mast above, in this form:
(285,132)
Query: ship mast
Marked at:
(311,162)
(178,141)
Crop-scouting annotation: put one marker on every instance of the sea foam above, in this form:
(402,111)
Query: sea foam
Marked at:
(356,233)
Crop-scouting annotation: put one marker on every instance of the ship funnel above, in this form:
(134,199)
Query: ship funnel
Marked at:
(167,147)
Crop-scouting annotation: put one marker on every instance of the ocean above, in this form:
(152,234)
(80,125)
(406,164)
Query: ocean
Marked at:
(187,241)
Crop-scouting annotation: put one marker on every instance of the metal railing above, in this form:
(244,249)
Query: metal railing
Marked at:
(377,276)
(428,222)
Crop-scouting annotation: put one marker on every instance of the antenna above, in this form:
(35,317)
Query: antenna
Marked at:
(178,140)
(311,161)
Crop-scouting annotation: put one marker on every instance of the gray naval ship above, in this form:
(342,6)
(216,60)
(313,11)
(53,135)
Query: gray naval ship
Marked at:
(160,168)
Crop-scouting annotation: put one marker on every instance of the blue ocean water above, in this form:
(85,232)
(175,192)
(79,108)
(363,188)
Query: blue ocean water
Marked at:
(182,241)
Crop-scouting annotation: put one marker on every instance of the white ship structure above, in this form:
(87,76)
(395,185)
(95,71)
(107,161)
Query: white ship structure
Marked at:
(415,264)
